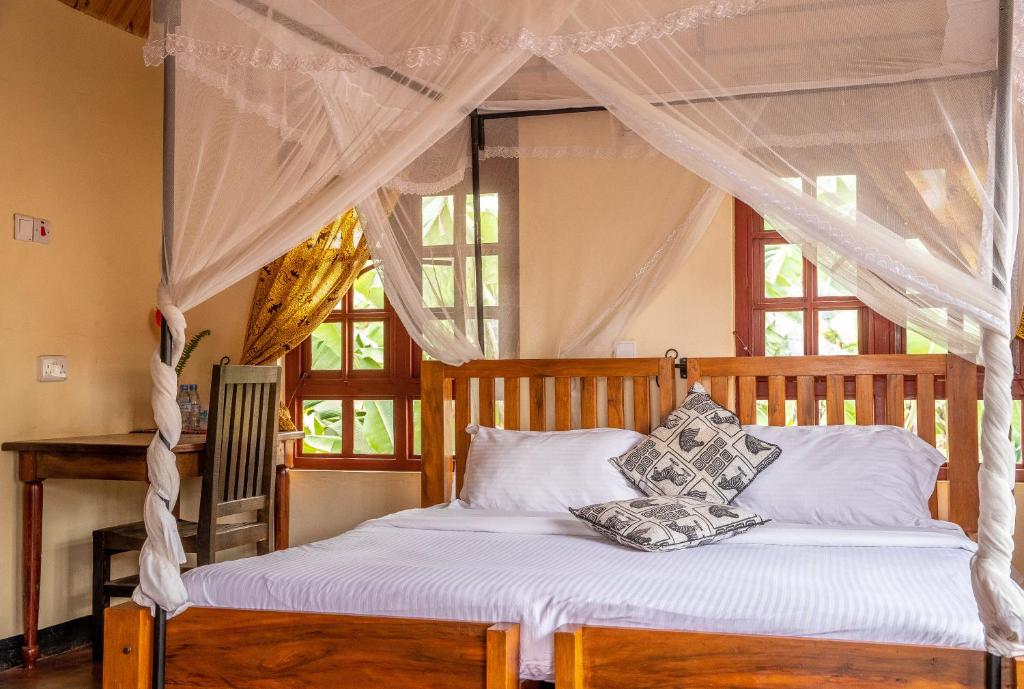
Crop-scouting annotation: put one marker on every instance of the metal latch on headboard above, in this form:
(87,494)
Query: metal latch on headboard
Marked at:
(680,364)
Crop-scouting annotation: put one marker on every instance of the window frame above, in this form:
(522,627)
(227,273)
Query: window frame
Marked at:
(398,381)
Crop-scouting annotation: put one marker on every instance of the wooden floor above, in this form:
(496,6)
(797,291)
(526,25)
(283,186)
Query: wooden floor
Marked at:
(71,670)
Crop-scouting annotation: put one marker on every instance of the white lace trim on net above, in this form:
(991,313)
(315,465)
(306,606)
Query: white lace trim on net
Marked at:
(683,19)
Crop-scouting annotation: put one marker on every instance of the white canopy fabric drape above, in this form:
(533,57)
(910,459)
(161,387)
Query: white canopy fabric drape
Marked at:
(290,111)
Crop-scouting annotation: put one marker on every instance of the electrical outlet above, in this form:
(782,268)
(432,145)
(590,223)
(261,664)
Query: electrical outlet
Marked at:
(52,368)
(41,231)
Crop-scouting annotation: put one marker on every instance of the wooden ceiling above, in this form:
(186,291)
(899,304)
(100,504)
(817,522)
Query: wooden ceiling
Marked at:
(130,15)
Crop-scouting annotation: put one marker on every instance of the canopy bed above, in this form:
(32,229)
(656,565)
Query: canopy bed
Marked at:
(281,116)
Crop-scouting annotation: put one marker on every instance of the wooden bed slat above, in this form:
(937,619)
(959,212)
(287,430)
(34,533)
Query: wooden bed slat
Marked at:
(641,404)
(462,419)
(616,403)
(666,387)
(962,427)
(776,401)
(835,412)
(503,656)
(746,402)
(538,422)
(512,403)
(588,402)
(894,412)
(487,402)
(720,391)
(806,403)
(563,403)
(926,425)
(865,395)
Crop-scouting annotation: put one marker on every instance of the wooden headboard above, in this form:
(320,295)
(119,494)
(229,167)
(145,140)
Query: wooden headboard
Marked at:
(877,384)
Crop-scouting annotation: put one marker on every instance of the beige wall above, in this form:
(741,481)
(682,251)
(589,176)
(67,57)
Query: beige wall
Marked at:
(79,145)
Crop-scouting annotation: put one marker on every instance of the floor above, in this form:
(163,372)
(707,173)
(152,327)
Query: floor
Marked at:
(71,670)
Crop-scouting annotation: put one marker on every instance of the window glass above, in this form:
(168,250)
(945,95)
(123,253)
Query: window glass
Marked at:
(491,333)
(374,429)
(491,280)
(783,333)
(771,225)
(839,192)
(439,284)
(488,218)
(838,331)
(438,220)
(327,347)
(368,291)
(368,345)
(827,285)
(417,428)
(321,423)
(783,271)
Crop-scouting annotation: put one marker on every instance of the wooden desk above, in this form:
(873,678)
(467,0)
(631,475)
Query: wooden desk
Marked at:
(114,458)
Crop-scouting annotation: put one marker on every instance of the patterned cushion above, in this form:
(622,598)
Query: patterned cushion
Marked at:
(699,450)
(667,522)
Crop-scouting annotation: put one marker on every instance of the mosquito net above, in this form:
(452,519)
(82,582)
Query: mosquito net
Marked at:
(287,112)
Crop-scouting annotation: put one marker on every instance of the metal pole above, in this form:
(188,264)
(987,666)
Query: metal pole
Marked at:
(476,135)
(171,21)
(1002,179)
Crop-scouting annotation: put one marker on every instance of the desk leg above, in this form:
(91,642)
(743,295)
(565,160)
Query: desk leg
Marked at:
(282,499)
(32,537)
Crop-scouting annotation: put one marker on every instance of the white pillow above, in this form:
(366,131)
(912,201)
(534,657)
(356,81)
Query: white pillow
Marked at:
(545,472)
(844,475)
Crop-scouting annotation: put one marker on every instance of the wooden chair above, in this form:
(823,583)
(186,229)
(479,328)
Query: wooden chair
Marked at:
(238,476)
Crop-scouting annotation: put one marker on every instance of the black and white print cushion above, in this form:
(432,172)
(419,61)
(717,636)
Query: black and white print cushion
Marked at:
(667,522)
(700,450)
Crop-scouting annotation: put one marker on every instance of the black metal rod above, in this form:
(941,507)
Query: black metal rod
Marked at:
(476,137)
(505,114)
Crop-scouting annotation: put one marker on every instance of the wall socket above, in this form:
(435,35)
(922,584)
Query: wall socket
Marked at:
(52,368)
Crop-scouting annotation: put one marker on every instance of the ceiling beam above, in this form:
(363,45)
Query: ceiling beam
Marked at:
(129,15)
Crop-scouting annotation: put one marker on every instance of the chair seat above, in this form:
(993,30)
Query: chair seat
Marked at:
(132,536)
(125,586)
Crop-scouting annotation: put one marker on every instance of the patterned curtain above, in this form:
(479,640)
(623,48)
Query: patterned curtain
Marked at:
(295,293)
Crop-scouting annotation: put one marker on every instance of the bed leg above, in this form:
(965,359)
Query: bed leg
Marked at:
(503,656)
(127,647)
(569,657)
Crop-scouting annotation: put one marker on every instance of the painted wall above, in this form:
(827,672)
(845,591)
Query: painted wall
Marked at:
(79,145)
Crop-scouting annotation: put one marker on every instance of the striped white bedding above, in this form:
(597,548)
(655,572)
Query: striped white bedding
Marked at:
(547,569)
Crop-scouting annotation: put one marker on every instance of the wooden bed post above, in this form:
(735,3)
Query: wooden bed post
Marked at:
(503,656)
(436,477)
(128,647)
(962,420)
(569,657)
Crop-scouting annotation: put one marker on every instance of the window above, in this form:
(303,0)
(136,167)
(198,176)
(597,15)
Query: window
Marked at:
(448,233)
(786,306)
(354,386)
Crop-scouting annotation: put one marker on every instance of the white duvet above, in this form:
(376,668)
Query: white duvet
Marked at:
(544,570)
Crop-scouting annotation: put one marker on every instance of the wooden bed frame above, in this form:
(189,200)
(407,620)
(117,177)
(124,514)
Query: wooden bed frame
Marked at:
(589,657)
(219,648)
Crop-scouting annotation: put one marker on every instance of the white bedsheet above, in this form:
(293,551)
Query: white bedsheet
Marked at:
(547,569)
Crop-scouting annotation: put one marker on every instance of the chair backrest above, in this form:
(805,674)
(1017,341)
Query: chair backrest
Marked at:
(241,445)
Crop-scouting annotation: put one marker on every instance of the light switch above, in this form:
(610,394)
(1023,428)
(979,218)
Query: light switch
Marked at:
(52,368)
(23,227)
(624,349)
(41,231)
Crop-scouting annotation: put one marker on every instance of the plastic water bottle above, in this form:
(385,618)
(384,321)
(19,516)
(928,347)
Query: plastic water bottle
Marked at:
(183,401)
(193,407)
